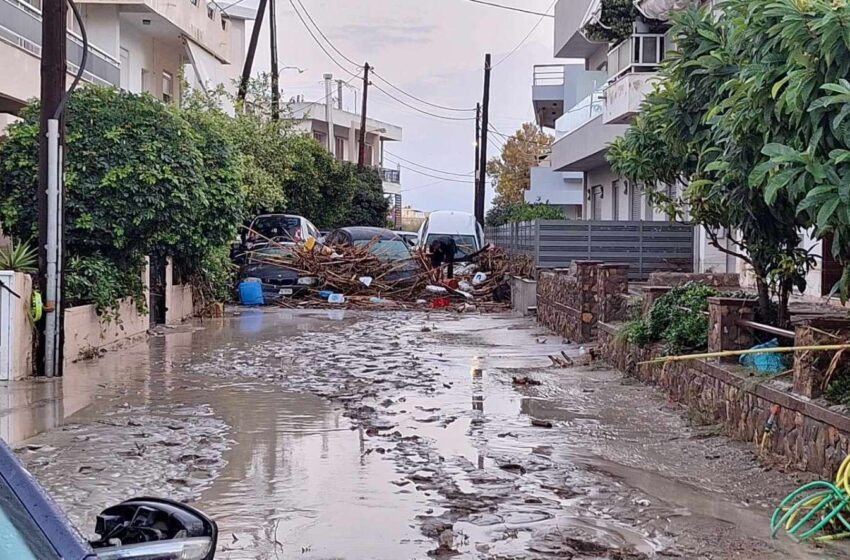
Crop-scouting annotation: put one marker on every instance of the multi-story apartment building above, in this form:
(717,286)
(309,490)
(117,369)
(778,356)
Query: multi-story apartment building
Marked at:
(593,103)
(344,143)
(137,45)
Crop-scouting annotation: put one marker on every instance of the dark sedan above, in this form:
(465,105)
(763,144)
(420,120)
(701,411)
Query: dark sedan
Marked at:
(269,266)
(382,243)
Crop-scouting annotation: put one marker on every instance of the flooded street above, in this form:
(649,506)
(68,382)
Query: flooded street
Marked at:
(331,434)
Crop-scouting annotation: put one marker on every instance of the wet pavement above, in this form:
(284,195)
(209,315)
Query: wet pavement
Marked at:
(331,434)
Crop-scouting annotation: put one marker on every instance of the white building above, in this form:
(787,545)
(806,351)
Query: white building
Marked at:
(138,45)
(345,143)
(591,103)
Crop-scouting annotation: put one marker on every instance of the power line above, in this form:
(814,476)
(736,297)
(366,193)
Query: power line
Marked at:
(512,8)
(435,105)
(425,166)
(470,182)
(325,37)
(406,104)
(318,42)
(340,53)
(524,39)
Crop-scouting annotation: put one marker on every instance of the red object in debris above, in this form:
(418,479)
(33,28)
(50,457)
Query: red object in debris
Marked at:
(440,303)
(451,283)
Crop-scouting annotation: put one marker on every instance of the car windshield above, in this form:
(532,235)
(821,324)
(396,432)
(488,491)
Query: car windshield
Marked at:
(387,249)
(20,538)
(287,228)
(465,243)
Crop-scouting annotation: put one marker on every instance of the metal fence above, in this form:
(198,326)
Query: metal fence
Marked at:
(645,246)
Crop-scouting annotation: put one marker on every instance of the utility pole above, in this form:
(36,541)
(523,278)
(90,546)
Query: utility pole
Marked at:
(275,73)
(485,124)
(51,138)
(252,50)
(329,113)
(477,154)
(361,160)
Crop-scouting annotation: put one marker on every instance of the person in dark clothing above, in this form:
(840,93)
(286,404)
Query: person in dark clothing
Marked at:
(443,250)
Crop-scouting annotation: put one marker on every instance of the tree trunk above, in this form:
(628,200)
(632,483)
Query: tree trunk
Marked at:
(784,315)
(763,312)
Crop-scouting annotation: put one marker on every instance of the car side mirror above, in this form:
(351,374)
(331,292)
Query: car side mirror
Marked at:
(154,528)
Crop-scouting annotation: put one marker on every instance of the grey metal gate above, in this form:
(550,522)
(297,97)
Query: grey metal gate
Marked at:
(645,246)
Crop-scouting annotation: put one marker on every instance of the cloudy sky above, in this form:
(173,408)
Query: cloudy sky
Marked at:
(435,50)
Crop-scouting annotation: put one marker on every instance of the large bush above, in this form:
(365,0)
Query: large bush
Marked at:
(141,178)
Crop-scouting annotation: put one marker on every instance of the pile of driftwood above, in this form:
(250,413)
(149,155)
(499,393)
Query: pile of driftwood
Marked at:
(365,279)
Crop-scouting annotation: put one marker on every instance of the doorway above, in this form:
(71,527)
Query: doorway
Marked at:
(157,288)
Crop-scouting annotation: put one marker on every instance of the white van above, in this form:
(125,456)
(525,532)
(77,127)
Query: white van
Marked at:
(461,226)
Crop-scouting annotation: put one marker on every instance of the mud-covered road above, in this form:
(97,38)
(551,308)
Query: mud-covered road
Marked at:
(331,434)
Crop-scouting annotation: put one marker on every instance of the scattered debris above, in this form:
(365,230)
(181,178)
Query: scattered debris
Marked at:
(541,423)
(526,381)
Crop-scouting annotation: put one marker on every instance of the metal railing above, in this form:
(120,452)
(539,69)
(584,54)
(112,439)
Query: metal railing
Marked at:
(20,26)
(548,75)
(642,52)
(390,175)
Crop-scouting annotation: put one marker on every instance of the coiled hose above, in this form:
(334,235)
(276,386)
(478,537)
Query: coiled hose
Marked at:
(816,507)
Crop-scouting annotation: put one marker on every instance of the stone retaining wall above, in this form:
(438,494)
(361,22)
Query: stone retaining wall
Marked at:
(674,279)
(809,436)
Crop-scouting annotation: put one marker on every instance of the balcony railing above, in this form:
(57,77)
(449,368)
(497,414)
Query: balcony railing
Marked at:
(390,175)
(642,52)
(20,26)
(584,111)
(549,75)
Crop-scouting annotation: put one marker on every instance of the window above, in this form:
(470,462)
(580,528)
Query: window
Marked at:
(649,213)
(615,200)
(210,12)
(72,24)
(339,148)
(634,202)
(368,153)
(167,87)
(124,58)
(224,24)
(320,137)
(194,2)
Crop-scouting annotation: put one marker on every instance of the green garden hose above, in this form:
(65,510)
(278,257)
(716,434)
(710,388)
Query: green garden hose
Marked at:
(816,507)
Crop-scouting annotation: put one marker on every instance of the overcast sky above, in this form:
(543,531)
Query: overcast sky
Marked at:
(435,50)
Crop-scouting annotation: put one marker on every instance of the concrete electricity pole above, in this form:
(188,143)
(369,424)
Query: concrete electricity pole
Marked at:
(51,138)
(275,72)
(329,112)
(485,124)
(252,50)
(361,159)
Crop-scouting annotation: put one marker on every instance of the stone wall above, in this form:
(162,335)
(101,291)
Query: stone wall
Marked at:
(673,279)
(567,300)
(809,436)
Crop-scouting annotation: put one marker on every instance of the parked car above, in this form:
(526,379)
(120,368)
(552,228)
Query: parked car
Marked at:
(34,528)
(268,265)
(280,228)
(383,243)
(409,237)
(461,226)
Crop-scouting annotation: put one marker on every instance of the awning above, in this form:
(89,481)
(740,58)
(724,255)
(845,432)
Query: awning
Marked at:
(208,72)
(660,9)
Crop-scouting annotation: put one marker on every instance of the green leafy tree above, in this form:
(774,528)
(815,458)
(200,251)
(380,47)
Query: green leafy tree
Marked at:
(511,170)
(502,214)
(688,133)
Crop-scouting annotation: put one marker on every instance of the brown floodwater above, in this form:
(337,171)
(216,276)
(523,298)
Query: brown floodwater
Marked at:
(331,434)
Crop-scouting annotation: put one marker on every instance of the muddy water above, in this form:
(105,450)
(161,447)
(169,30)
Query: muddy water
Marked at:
(340,435)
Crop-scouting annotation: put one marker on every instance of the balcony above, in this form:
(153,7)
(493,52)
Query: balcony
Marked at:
(547,93)
(569,42)
(632,65)
(582,113)
(20,53)
(198,20)
(390,175)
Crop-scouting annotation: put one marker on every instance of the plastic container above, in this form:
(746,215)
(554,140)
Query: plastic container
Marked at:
(440,303)
(325,294)
(336,298)
(251,292)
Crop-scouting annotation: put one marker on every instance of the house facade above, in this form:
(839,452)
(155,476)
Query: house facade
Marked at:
(344,142)
(137,45)
(591,102)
